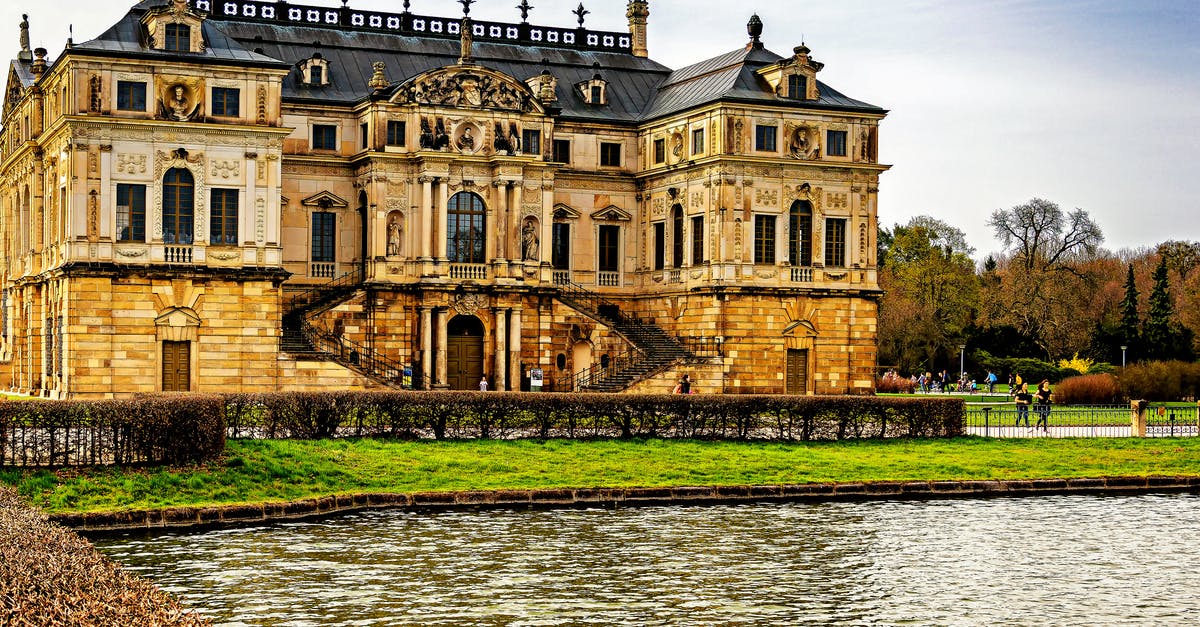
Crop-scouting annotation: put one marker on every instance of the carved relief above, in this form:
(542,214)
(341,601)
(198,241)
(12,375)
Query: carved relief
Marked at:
(131,252)
(658,206)
(802,142)
(737,239)
(766,198)
(95,99)
(697,200)
(862,243)
(395,234)
(837,200)
(469,304)
(454,88)
(260,220)
(93,227)
(131,164)
(226,255)
(261,105)
(180,100)
(194,163)
(225,168)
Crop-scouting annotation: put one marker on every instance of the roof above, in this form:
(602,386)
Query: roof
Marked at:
(351,41)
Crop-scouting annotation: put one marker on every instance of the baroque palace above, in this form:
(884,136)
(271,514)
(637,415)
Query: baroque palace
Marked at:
(234,195)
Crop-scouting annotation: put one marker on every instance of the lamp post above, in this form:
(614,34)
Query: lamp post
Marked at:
(961,351)
(1123,347)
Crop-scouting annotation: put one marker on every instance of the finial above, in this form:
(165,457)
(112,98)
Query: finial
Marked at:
(524,7)
(345,4)
(755,28)
(406,4)
(581,12)
(379,79)
(466,6)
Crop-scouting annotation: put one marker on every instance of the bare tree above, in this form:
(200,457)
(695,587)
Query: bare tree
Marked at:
(1040,236)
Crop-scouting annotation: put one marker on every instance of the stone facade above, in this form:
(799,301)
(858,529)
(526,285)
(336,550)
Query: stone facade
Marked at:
(164,198)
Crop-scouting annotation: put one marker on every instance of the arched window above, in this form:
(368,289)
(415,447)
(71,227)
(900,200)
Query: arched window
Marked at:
(800,234)
(178,206)
(465,228)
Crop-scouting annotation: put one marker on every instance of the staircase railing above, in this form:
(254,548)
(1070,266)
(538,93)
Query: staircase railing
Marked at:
(312,298)
(354,355)
(591,302)
(600,373)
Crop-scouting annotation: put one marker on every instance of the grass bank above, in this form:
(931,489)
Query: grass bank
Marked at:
(259,471)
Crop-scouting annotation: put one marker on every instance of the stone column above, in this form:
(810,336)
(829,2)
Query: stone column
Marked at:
(249,215)
(440,379)
(443,228)
(513,235)
(514,349)
(500,374)
(426,347)
(426,234)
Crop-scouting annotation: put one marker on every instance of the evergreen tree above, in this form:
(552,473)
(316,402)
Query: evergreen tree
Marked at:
(1129,312)
(1157,335)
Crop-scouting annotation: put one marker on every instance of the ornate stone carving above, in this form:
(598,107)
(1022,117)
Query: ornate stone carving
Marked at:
(261,106)
(180,100)
(260,220)
(469,304)
(766,197)
(95,100)
(737,239)
(131,252)
(225,168)
(467,90)
(766,274)
(837,200)
(224,255)
(379,79)
(802,142)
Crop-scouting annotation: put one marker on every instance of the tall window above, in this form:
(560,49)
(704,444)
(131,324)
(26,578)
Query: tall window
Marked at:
(660,150)
(677,236)
(764,239)
(800,234)
(324,137)
(697,240)
(465,236)
(179,38)
(697,142)
(560,253)
(835,243)
(764,138)
(610,247)
(324,230)
(223,217)
(835,142)
(610,154)
(597,95)
(660,250)
(226,102)
(178,206)
(131,213)
(316,74)
(131,96)
(562,151)
(395,132)
(798,87)
(364,135)
(531,141)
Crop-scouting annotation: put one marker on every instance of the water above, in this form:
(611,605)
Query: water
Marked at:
(1070,560)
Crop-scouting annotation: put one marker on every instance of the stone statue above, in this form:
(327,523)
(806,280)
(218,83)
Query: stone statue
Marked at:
(394,233)
(514,139)
(468,39)
(427,139)
(466,142)
(178,106)
(501,143)
(529,241)
(24,33)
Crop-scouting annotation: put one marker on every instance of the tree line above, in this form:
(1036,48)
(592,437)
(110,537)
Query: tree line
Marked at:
(1053,293)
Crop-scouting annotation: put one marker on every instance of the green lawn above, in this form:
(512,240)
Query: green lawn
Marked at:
(256,471)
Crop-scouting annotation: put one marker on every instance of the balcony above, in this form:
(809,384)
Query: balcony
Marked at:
(322,269)
(178,254)
(802,275)
(608,279)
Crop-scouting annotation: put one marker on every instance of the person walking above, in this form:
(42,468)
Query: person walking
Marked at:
(1042,405)
(991,382)
(1023,399)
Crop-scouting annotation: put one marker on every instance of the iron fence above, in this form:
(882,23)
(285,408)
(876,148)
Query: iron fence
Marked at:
(1009,420)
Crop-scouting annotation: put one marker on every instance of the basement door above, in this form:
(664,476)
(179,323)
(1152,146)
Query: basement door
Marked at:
(176,366)
(797,371)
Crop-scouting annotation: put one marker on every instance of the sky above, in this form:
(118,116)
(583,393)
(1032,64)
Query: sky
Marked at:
(1092,104)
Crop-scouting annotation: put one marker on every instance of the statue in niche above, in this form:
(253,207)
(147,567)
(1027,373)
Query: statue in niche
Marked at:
(394,234)
(441,139)
(501,143)
(514,138)
(529,241)
(426,140)
(466,141)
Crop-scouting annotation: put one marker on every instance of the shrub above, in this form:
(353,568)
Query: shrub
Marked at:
(1091,389)
(1031,370)
(161,429)
(895,385)
(457,415)
(1161,381)
(51,576)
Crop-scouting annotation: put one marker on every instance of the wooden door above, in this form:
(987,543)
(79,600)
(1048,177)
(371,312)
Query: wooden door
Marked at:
(464,362)
(176,366)
(797,371)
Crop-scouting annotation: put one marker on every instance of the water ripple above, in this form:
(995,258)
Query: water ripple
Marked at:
(1070,560)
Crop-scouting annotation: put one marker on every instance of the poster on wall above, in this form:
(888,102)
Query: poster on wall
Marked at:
(535,380)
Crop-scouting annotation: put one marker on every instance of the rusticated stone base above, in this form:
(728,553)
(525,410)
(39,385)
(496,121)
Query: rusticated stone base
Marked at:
(233,515)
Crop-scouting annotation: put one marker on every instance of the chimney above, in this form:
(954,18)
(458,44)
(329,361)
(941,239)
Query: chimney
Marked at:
(639,15)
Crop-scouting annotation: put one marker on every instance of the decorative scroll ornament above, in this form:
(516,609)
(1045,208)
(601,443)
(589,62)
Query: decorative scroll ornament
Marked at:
(468,304)
(467,90)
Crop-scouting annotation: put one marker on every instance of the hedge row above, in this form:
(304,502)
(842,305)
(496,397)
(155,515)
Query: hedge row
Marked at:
(141,430)
(51,576)
(456,415)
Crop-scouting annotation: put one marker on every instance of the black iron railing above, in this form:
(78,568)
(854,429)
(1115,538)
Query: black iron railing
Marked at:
(703,346)
(602,373)
(354,355)
(312,298)
(591,302)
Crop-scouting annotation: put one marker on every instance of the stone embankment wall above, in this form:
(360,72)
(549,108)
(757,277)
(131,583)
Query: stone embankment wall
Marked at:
(231,515)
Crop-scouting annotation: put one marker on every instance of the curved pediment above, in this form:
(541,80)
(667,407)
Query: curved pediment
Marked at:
(468,88)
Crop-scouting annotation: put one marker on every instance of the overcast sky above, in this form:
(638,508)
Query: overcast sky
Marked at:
(1089,103)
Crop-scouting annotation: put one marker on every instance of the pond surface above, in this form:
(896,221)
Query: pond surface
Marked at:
(1066,560)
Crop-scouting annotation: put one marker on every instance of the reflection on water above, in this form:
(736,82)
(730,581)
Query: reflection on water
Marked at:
(1071,560)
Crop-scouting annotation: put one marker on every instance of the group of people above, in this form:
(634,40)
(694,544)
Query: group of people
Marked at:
(1038,399)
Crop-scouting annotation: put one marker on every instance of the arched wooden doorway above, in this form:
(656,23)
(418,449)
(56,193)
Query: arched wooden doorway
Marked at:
(464,353)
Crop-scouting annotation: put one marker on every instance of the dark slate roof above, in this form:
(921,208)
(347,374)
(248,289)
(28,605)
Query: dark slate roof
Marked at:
(639,88)
(732,76)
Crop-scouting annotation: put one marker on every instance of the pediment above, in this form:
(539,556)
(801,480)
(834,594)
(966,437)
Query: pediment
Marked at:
(178,317)
(565,212)
(325,200)
(473,88)
(800,328)
(13,91)
(612,213)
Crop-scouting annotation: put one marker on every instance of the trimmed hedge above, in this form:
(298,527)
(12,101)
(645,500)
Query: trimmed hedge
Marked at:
(458,415)
(141,430)
(51,576)
(1089,389)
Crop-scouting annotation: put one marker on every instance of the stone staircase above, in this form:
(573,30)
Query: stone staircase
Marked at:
(654,350)
(303,339)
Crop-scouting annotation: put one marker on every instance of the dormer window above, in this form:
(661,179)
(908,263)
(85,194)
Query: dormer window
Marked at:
(314,72)
(797,87)
(595,91)
(178,38)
